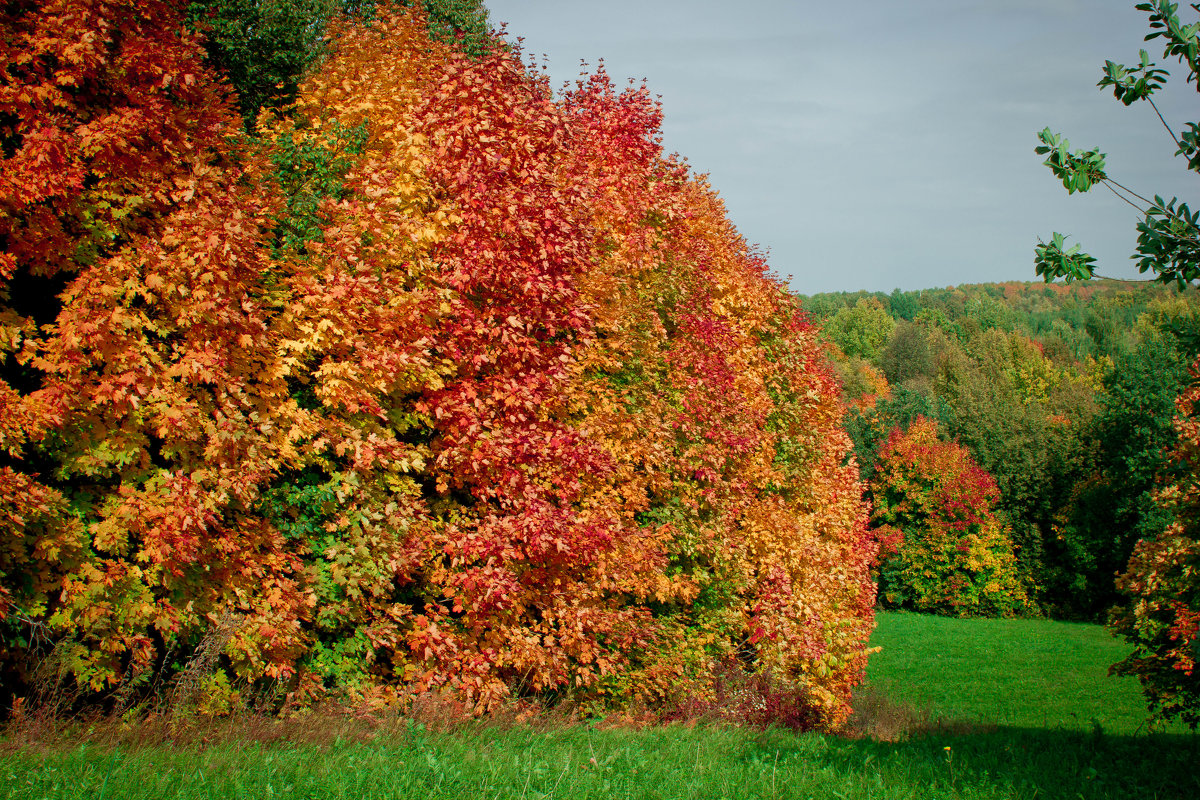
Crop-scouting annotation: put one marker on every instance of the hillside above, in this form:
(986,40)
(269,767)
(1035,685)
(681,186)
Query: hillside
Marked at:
(1064,394)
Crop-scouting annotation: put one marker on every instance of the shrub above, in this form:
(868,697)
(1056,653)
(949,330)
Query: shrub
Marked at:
(1160,615)
(437,386)
(954,556)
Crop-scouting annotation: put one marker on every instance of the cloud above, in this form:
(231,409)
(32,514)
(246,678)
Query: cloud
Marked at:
(895,142)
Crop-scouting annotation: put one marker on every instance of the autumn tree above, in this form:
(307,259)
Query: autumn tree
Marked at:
(1160,615)
(138,373)
(712,394)
(593,398)
(434,383)
(952,553)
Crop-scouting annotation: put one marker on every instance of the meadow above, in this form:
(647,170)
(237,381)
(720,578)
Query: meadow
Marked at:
(1017,673)
(951,709)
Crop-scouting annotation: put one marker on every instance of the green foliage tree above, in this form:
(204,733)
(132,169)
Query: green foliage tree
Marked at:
(861,331)
(262,46)
(990,312)
(462,21)
(1168,242)
(1009,405)
(265,47)
(904,305)
(1126,447)
(910,354)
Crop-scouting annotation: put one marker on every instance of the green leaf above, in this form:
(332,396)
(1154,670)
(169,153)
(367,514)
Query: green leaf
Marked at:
(1052,260)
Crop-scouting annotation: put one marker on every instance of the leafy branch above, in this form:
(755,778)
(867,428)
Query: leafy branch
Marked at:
(1168,242)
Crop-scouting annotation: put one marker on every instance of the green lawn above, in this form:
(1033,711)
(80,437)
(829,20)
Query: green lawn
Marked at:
(579,763)
(1031,689)
(1020,673)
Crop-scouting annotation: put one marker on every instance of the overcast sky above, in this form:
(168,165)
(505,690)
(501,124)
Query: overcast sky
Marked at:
(886,143)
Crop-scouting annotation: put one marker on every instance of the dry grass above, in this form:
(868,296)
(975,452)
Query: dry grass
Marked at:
(879,717)
(319,727)
(746,705)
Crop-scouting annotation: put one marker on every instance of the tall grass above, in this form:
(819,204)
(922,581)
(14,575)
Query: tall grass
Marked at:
(579,762)
(1030,692)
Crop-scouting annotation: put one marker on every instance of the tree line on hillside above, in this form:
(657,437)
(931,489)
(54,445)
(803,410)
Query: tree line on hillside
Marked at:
(342,359)
(1063,394)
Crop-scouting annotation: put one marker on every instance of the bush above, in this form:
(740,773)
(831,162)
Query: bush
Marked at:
(952,553)
(1161,614)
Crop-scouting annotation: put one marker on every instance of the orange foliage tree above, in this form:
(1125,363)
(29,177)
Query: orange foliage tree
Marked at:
(708,389)
(951,552)
(137,391)
(1160,615)
(437,384)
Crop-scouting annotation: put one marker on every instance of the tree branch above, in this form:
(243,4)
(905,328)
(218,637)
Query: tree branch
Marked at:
(1150,100)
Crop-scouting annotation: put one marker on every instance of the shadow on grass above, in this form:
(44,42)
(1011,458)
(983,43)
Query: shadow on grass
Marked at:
(914,744)
(1028,763)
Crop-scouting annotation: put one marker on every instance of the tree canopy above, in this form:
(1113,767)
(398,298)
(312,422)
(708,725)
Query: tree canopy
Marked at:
(420,381)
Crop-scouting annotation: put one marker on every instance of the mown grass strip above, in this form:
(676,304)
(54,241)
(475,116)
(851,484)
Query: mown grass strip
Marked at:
(1013,672)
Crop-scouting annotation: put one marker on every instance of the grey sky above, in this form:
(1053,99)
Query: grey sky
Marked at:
(885,144)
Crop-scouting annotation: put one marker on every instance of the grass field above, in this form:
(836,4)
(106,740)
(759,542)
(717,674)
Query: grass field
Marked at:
(671,762)
(1030,736)
(1013,672)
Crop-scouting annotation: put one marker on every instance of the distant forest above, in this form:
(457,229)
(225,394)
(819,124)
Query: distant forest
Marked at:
(1063,394)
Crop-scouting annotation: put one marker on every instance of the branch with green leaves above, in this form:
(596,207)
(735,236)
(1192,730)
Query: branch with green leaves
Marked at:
(1168,242)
